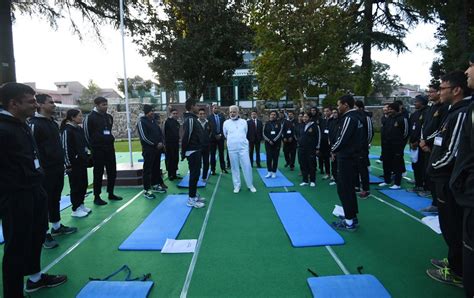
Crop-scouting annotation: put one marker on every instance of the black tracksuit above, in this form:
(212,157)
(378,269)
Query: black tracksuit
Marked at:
(394,136)
(324,150)
(75,159)
(347,147)
(416,123)
(98,131)
(150,136)
(362,163)
(443,156)
(206,145)
(171,130)
(254,136)
(461,183)
(23,204)
(289,142)
(272,132)
(216,122)
(46,134)
(332,137)
(309,141)
(191,146)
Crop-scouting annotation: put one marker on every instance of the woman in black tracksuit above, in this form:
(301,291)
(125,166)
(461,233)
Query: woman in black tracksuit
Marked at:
(272,133)
(76,160)
(308,146)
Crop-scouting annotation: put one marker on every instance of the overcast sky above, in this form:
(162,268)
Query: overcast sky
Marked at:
(45,56)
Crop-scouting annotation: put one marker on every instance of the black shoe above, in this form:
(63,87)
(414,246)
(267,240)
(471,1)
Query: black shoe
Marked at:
(46,281)
(286,165)
(113,197)
(225,171)
(49,242)
(63,230)
(213,173)
(171,178)
(98,201)
(259,165)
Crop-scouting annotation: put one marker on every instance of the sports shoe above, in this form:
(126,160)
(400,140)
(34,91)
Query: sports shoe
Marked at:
(332,178)
(268,175)
(253,189)
(383,184)
(49,242)
(98,201)
(430,209)
(395,186)
(445,275)
(194,202)
(274,175)
(304,183)
(164,186)
(159,189)
(325,177)
(236,189)
(113,197)
(378,161)
(149,195)
(312,184)
(78,213)
(85,209)
(332,183)
(356,220)
(424,194)
(357,189)
(415,189)
(46,281)
(200,199)
(443,263)
(63,230)
(343,226)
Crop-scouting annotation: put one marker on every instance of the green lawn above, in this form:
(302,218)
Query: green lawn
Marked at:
(122,146)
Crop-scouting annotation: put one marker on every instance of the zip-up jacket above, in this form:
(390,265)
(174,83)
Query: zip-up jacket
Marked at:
(446,142)
(18,153)
(462,177)
(333,128)
(416,122)
(288,129)
(46,134)
(395,131)
(323,128)
(367,130)
(98,130)
(349,136)
(273,131)
(74,144)
(434,117)
(171,130)
(149,132)
(193,134)
(309,136)
(206,136)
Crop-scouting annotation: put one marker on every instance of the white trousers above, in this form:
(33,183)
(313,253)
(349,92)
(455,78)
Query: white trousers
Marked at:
(241,158)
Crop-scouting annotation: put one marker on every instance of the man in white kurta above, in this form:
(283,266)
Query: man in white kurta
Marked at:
(235,131)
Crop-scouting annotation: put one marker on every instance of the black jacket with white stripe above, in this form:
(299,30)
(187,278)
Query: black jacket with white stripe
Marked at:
(273,131)
(417,120)
(46,134)
(446,142)
(309,137)
(434,117)
(395,131)
(149,132)
(350,136)
(193,134)
(74,144)
(98,130)
(367,131)
(462,178)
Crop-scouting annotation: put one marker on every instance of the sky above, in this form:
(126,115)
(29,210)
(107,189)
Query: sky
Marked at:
(44,55)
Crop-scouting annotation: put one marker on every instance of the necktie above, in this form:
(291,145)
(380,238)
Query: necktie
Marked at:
(218,124)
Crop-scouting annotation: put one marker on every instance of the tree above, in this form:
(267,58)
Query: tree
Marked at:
(135,85)
(382,82)
(90,92)
(198,43)
(300,43)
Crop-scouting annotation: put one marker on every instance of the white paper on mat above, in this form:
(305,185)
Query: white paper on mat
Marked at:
(173,246)
(432,222)
(338,211)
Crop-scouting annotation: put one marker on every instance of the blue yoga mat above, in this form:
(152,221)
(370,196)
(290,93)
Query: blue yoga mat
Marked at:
(263,156)
(165,221)
(302,223)
(185,181)
(279,181)
(2,240)
(344,286)
(115,289)
(373,156)
(65,202)
(409,199)
(409,167)
(374,179)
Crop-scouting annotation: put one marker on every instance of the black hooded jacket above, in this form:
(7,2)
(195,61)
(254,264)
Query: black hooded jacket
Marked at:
(46,134)
(349,139)
(193,134)
(98,130)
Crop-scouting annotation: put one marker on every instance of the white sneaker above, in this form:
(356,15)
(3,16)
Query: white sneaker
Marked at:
(79,213)
(253,189)
(303,183)
(85,209)
(332,183)
(274,175)
(325,177)
(268,175)
(194,202)
(395,186)
(236,189)
(312,184)
(378,161)
(383,184)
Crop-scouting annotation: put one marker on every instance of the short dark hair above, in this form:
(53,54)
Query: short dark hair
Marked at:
(394,106)
(347,99)
(202,109)
(359,104)
(434,85)
(398,102)
(173,110)
(41,98)
(276,114)
(457,78)
(189,104)
(13,91)
(99,100)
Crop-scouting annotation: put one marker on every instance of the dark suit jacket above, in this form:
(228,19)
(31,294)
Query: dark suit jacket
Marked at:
(212,121)
(254,134)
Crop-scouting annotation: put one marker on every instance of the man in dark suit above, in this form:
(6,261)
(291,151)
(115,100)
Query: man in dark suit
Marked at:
(216,120)
(254,135)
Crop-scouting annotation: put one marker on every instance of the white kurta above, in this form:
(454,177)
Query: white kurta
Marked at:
(235,131)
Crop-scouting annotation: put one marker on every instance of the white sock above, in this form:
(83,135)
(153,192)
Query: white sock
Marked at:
(35,277)
(56,225)
(349,222)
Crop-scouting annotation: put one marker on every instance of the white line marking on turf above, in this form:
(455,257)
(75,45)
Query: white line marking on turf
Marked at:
(399,209)
(189,275)
(97,227)
(286,189)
